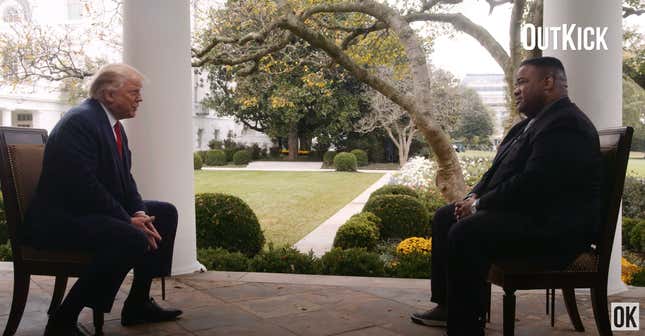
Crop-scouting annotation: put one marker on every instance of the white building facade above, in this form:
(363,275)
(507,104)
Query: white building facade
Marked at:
(41,104)
(491,88)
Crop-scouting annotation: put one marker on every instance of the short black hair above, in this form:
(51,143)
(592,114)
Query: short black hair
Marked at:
(546,63)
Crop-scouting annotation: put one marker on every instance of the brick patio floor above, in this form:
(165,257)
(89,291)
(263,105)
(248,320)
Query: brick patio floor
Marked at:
(229,303)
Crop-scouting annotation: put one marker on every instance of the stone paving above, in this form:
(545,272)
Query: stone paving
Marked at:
(231,303)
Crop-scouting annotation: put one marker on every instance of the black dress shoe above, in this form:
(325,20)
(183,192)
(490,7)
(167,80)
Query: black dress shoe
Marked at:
(57,328)
(436,317)
(146,312)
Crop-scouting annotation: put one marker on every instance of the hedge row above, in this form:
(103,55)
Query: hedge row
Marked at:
(353,262)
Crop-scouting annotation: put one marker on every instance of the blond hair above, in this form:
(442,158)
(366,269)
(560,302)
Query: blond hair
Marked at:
(112,77)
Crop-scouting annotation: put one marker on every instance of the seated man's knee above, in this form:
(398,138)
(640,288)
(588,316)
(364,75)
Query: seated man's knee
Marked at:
(443,218)
(163,209)
(134,242)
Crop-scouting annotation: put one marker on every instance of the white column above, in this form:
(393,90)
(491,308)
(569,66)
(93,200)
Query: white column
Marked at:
(595,78)
(6,118)
(156,41)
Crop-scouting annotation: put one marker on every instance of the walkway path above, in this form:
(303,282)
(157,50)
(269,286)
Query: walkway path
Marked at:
(321,239)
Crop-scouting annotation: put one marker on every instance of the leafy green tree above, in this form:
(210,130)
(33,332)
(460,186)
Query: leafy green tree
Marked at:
(634,111)
(475,121)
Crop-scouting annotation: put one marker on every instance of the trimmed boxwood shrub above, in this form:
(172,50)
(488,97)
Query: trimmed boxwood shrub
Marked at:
(227,221)
(634,234)
(215,157)
(284,259)
(401,216)
(328,157)
(358,231)
(202,154)
(219,259)
(354,261)
(432,199)
(394,189)
(242,157)
(197,161)
(361,157)
(345,162)
(411,265)
(633,200)
(5,252)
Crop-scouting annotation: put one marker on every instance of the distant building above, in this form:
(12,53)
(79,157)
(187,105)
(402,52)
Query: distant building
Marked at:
(41,105)
(492,90)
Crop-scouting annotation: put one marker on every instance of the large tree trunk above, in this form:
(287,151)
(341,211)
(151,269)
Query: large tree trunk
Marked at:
(293,141)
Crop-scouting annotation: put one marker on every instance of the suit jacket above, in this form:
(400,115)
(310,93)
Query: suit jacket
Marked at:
(82,174)
(551,172)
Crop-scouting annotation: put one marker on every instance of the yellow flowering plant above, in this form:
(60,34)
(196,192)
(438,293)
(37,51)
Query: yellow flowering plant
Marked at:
(415,245)
(628,271)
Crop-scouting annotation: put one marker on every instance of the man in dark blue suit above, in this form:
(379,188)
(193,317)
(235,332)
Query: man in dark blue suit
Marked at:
(87,200)
(540,199)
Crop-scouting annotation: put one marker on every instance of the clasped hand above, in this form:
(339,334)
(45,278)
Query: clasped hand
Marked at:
(144,223)
(464,208)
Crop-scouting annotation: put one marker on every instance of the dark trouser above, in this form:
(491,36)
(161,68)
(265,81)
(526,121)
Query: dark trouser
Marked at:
(118,247)
(462,252)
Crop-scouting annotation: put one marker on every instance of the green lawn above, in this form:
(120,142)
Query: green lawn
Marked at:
(289,205)
(636,167)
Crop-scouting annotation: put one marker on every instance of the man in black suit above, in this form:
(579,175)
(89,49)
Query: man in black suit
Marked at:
(87,200)
(539,199)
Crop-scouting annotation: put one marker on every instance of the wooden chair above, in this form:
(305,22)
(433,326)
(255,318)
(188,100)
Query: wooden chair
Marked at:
(590,269)
(21,156)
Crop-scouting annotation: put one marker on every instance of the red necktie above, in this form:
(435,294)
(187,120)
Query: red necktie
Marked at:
(119,141)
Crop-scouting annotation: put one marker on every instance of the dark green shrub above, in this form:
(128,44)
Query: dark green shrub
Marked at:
(215,144)
(638,279)
(432,199)
(628,225)
(394,189)
(197,161)
(274,152)
(328,157)
(227,221)
(355,261)
(358,231)
(256,152)
(242,157)
(637,236)
(215,157)
(202,154)
(361,157)
(345,162)
(219,259)
(5,252)
(401,216)
(411,265)
(633,200)
(283,260)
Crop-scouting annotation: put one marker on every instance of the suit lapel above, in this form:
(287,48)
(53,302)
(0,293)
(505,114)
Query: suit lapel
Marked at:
(108,134)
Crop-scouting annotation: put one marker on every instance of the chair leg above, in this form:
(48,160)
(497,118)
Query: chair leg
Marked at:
(57,296)
(163,288)
(98,322)
(600,310)
(488,299)
(18,301)
(552,307)
(509,312)
(569,296)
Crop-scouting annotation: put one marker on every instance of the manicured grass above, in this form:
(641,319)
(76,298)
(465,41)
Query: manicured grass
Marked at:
(636,167)
(289,205)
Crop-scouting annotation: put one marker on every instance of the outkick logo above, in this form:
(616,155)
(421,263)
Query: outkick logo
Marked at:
(565,37)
